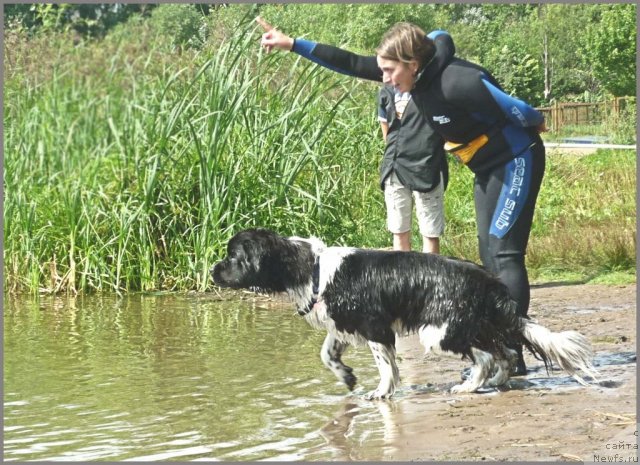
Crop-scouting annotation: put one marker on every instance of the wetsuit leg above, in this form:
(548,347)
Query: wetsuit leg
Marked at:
(505,201)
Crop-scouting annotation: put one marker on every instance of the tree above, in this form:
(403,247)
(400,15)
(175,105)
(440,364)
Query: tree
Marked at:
(183,23)
(611,47)
(503,39)
(560,32)
(89,20)
(517,71)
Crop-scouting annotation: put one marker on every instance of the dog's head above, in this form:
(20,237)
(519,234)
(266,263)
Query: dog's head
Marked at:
(260,259)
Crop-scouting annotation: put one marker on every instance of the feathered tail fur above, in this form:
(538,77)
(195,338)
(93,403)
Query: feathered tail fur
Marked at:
(570,350)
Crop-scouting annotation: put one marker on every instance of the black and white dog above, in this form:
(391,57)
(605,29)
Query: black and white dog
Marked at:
(367,296)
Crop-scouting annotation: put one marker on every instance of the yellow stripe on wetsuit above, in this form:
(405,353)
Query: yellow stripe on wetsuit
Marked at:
(465,152)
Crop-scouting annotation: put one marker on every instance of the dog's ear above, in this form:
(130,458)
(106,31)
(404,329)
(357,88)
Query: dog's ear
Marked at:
(258,246)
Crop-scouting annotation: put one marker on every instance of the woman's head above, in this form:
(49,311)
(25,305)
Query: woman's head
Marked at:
(403,51)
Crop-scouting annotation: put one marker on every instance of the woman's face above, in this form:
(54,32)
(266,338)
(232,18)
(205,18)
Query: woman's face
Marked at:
(398,74)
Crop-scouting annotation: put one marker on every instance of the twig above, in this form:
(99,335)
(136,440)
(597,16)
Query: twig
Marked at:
(571,457)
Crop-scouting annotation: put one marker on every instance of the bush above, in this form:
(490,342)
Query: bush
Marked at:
(621,126)
(182,22)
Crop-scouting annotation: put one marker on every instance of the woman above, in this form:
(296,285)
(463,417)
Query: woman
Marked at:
(494,134)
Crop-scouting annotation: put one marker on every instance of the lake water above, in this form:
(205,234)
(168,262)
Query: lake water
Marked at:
(168,377)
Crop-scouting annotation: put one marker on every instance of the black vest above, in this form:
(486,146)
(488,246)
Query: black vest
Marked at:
(414,150)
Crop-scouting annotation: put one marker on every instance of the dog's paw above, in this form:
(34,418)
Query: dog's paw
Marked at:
(349,379)
(463,388)
(378,395)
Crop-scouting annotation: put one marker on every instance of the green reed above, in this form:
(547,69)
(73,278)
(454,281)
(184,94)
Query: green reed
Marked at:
(128,168)
(119,182)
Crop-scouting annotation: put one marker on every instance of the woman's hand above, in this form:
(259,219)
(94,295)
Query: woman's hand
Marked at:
(272,38)
(542,127)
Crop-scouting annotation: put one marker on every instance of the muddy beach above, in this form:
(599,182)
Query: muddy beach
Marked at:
(535,418)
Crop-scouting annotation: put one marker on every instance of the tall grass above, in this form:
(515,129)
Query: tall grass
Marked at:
(586,215)
(117,182)
(128,167)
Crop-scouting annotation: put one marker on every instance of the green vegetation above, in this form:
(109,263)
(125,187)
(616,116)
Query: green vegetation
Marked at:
(129,164)
(540,52)
(586,216)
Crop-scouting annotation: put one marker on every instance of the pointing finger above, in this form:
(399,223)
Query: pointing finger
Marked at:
(265,25)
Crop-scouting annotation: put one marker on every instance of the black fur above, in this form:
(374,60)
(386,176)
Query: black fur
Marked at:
(372,289)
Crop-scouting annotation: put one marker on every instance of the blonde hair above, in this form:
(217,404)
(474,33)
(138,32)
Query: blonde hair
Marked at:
(405,42)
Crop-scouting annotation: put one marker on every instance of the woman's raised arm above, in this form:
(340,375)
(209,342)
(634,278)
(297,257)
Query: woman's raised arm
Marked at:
(328,56)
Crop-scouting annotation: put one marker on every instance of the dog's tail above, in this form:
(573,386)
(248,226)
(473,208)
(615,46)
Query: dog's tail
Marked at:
(570,350)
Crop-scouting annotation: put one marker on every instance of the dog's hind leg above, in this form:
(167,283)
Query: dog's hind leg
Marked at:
(331,352)
(483,364)
(503,364)
(385,357)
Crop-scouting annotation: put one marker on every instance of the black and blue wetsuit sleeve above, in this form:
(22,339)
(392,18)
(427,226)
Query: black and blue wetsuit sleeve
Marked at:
(475,89)
(515,110)
(336,59)
(439,34)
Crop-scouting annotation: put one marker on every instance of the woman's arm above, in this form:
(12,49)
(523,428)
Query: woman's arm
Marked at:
(517,111)
(333,58)
(474,89)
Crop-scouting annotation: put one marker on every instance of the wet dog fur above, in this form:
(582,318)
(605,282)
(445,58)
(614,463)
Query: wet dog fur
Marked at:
(368,296)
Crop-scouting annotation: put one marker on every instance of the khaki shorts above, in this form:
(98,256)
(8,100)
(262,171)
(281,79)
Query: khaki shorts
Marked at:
(429,208)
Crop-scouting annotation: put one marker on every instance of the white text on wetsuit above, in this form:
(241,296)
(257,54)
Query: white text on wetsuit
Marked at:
(517,180)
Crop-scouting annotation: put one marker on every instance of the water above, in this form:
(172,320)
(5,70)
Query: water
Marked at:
(189,378)
(165,378)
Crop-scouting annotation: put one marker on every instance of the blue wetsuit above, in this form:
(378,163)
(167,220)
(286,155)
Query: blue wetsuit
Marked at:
(468,108)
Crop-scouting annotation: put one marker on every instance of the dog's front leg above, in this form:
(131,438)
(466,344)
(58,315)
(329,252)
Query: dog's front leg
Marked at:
(330,354)
(385,357)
